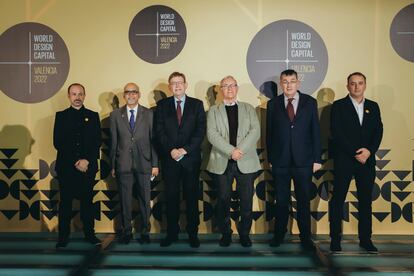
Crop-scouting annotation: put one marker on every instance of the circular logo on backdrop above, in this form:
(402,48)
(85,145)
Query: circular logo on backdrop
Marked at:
(287,44)
(34,62)
(402,33)
(157,34)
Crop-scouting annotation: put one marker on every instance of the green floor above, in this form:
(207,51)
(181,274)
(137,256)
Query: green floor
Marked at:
(35,254)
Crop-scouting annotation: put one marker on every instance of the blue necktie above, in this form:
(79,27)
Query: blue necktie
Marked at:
(132,119)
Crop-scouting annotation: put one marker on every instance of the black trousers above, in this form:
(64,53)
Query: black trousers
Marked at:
(364,179)
(175,176)
(302,179)
(245,191)
(75,184)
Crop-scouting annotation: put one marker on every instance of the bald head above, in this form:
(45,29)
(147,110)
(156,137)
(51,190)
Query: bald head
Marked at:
(131,94)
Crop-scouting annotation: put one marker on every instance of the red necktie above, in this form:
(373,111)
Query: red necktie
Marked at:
(290,110)
(179,113)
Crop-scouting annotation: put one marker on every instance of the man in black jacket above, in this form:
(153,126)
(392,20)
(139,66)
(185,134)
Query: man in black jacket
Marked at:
(294,151)
(180,126)
(356,130)
(77,138)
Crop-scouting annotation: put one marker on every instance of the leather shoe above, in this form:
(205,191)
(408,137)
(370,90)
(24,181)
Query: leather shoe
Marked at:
(335,245)
(168,241)
(93,240)
(194,242)
(276,241)
(225,240)
(245,241)
(62,242)
(145,239)
(307,244)
(368,246)
(126,238)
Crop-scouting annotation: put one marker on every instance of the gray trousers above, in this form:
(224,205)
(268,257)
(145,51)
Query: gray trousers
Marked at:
(126,181)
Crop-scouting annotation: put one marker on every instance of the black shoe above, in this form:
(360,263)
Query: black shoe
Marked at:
(145,239)
(168,241)
(276,241)
(62,242)
(225,240)
(126,238)
(307,244)
(245,241)
(93,240)
(335,245)
(368,246)
(194,242)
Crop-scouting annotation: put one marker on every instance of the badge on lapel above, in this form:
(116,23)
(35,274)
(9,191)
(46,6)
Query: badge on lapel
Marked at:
(367,111)
(86,119)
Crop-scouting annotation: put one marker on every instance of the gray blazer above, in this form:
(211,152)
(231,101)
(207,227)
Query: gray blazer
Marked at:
(132,149)
(218,135)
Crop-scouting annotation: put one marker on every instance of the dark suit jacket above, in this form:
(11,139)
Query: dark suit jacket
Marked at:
(189,135)
(132,148)
(65,140)
(347,133)
(299,140)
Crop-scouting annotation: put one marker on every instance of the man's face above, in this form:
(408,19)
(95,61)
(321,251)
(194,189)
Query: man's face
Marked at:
(76,96)
(131,94)
(289,84)
(356,86)
(177,86)
(229,88)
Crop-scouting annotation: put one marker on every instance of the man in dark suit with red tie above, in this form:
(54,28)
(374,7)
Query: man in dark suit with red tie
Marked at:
(356,130)
(294,152)
(180,126)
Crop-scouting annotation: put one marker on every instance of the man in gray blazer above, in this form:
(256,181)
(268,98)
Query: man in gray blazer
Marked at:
(233,130)
(134,159)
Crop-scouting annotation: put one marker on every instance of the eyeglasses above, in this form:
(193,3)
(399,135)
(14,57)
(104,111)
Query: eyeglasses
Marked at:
(289,82)
(230,86)
(133,92)
(176,83)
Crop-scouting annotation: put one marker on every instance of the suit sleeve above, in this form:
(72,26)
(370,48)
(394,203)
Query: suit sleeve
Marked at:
(378,132)
(114,138)
(160,130)
(338,131)
(269,130)
(214,136)
(316,134)
(250,141)
(92,153)
(58,134)
(200,130)
(154,155)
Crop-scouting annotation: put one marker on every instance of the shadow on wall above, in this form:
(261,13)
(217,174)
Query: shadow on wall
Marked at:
(19,194)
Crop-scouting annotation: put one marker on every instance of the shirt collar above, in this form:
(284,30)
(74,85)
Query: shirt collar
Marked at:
(182,99)
(135,109)
(355,101)
(296,97)
(230,104)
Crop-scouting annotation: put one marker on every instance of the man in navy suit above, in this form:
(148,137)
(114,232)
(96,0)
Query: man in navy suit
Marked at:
(356,130)
(180,126)
(294,152)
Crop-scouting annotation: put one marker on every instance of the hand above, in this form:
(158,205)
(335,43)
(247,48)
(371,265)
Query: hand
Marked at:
(316,167)
(175,154)
(82,165)
(237,154)
(362,155)
(155,172)
(113,173)
(182,151)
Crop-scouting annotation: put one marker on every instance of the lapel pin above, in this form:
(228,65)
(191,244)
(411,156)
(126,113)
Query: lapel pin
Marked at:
(366,111)
(86,119)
